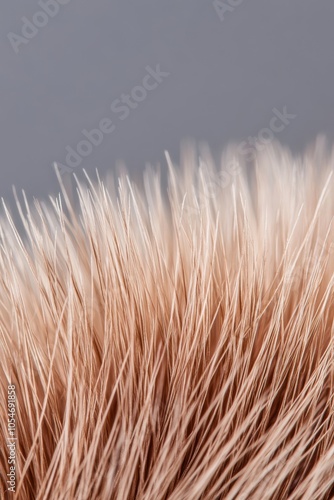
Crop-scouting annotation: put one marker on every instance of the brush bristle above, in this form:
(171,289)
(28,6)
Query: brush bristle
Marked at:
(176,347)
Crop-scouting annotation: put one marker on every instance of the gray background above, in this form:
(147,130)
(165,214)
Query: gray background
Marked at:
(225,79)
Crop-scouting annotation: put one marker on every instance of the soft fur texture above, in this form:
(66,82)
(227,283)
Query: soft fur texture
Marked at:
(176,347)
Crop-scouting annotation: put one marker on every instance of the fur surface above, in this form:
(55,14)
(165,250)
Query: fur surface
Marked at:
(178,348)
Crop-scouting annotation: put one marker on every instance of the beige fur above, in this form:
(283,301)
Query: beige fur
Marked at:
(179,349)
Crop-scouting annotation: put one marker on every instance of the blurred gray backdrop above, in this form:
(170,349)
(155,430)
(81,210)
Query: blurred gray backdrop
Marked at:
(229,64)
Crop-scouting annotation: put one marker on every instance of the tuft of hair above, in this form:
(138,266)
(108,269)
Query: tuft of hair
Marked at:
(173,347)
